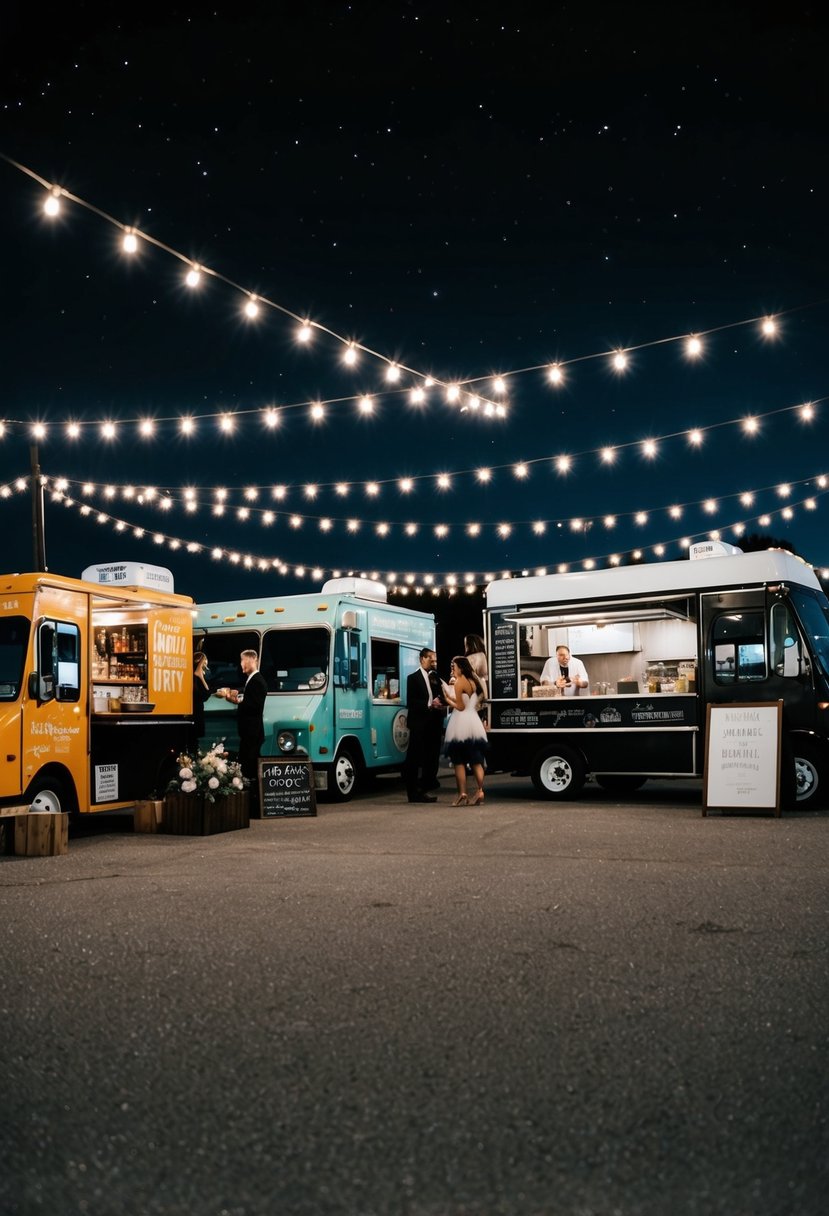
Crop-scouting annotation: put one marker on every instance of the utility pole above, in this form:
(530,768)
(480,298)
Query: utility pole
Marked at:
(38,524)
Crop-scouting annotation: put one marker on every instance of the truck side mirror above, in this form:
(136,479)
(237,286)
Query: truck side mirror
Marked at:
(41,688)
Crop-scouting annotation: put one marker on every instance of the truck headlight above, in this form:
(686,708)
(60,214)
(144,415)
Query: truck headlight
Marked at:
(286,741)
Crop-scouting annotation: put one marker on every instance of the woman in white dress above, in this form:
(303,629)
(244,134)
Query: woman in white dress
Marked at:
(466,741)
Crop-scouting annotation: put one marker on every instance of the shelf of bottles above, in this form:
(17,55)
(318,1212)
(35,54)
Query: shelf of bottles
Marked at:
(120,655)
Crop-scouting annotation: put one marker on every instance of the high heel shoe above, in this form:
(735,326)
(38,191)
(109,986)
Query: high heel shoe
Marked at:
(477,799)
(461,800)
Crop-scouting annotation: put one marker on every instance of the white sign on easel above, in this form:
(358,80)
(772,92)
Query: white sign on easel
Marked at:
(742,757)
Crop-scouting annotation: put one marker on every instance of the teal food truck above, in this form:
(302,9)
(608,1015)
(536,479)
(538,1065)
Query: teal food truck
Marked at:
(336,665)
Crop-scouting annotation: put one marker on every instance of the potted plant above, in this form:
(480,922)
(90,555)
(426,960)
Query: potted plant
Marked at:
(208,795)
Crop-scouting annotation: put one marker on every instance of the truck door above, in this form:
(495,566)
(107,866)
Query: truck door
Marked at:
(754,651)
(386,702)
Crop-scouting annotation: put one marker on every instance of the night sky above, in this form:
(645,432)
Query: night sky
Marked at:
(468,193)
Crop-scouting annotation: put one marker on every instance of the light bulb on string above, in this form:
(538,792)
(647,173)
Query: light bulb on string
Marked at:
(251,308)
(392,373)
(51,205)
(695,437)
(350,355)
(305,332)
(769,327)
(193,276)
(554,374)
(619,361)
(693,347)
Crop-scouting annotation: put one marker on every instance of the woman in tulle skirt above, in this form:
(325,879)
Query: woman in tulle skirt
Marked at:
(466,741)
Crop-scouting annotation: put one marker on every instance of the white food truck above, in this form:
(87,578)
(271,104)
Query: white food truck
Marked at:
(661,642)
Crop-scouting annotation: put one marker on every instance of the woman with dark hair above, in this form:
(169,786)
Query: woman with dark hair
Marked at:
(201,692)
(473,648)
(466,741)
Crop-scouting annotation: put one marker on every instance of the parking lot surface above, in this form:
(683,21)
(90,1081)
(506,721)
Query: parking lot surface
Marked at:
(606,1006)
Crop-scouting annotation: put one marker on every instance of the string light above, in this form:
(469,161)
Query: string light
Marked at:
(769,324)
(52,204)
(640,518)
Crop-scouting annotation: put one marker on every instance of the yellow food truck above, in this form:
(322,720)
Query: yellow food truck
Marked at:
(96,686)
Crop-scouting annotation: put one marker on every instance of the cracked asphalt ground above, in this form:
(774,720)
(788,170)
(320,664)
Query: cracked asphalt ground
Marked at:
(590,1008)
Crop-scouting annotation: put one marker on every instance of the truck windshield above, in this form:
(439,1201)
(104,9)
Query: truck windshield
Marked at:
(296,660)
(14,640)
(813,610)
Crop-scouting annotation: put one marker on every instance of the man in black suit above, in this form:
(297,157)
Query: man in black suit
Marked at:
(250,704)
(426,710)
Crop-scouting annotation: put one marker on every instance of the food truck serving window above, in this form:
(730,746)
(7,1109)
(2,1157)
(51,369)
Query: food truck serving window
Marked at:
(223,650)
(14,639)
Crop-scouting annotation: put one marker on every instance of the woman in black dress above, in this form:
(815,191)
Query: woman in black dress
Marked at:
(201,692)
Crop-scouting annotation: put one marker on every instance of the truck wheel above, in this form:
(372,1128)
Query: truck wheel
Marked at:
(620,783)
(342,776)
(50,794)
(809,790)
(558,772)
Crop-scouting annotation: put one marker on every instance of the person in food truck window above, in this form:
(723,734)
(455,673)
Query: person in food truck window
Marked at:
(250,705)
(567,672)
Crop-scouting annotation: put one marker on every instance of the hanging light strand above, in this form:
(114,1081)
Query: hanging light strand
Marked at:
(562,464)
(471,403)
(449,582)
(191,501)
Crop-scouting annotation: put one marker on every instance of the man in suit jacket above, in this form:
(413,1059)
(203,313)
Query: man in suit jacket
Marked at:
(426,710)
(250,705)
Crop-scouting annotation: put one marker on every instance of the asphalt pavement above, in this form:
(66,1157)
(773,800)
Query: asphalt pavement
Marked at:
(610,1007)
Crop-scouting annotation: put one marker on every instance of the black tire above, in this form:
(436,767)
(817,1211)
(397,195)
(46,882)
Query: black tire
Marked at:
(810,776)
(51,794)
(558,773)
(343,776)
(620,783)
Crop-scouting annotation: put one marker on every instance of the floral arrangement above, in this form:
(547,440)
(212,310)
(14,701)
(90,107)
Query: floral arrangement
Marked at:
(210,774)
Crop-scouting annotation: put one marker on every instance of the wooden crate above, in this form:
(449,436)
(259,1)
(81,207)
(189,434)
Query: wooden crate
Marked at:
(40,834)
(148,816)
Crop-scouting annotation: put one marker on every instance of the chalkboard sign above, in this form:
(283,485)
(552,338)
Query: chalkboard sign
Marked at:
(503,657)
(742,756)
(286,787)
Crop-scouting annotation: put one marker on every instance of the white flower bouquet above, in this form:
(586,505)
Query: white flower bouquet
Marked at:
(210,774)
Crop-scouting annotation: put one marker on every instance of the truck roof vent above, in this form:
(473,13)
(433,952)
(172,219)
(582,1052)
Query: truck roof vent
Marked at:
(130,574)
(363,588)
